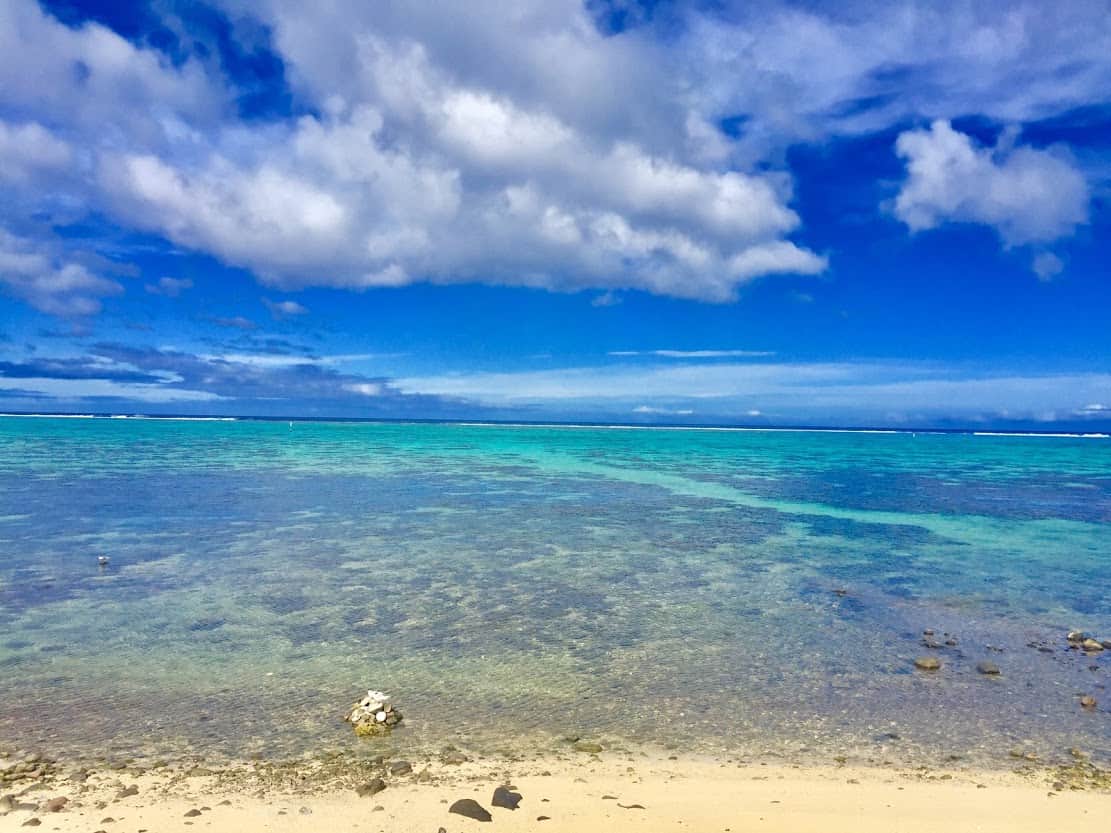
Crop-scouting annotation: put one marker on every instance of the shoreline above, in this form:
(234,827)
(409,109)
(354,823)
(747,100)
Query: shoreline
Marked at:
(577,789)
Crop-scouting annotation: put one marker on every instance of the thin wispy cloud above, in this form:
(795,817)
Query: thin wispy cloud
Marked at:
(695,354)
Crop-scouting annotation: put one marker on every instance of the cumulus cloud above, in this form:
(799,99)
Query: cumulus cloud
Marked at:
(1027,195)
(29,150)
(456,142)
(48,280)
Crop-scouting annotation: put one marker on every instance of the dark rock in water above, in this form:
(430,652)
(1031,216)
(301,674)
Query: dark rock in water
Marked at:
(372,787)
(471,809)
(400,768)
(1091,645)
(1106,643)
(840,591)
(202,625)
(588,746)
(927,664)
(55,805)
(1088,701)
(928,632)
(504,797)
(989,668)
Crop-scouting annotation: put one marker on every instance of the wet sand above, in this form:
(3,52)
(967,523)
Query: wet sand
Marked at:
(610,792)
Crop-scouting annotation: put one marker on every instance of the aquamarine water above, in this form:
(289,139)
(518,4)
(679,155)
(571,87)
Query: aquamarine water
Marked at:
(510,585)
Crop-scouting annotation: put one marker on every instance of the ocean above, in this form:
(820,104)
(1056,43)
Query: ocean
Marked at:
(755,593)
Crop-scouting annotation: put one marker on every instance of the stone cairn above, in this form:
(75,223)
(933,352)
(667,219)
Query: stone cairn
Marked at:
(374,715)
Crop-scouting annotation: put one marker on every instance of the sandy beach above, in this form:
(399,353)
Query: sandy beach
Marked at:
(564,792)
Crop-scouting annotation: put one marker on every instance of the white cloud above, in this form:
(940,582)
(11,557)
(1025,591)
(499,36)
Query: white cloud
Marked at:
(831,391)
(73,389)
(1047,266)
(1026,195)
(462,142)
(694,354)
(170,287)
(284,309)
(49,281)
(27,150)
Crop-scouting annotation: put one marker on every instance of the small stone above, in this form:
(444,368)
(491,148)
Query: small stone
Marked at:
(1079,754)
(471,809)
(989,668)
(588,746)
(1091,645)
(31,823)
(928,632)
(543,818)
(927,664)
(1088,701)
(1078,636)
(1106,643)
(504,797)
(305,811)
(55,805)
(454,758)
(372,787)
(107,820)
(400,768)
(126,792)
(192,814)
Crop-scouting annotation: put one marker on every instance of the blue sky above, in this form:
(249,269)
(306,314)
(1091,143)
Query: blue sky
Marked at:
(740,213)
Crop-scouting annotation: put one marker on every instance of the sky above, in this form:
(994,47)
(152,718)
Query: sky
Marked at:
(732,213)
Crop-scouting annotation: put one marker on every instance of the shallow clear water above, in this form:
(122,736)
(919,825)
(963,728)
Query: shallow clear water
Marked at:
(512,584)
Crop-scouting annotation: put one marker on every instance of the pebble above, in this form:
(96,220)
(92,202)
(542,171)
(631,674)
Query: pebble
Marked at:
(504,797)
(372,787)
(471,809)
(989,668)
(128,791)
(1091,645)
(927,664)
(588,746)
(454,758)
(55,805)
(400,768)
(192,814)
(1088,701)
(31,823)
(305,811)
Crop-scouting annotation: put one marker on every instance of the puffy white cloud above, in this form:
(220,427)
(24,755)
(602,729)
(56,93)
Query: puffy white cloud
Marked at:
(47,280)
(477,142)
(28,150)
(1047,266)
(1027,195)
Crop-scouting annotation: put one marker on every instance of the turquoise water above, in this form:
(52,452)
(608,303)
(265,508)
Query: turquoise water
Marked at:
(511,585)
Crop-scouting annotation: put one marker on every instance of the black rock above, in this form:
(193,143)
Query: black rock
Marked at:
(504,797)
(371,787)
(471,809)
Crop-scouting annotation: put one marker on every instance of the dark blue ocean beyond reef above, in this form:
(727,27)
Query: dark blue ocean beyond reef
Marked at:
(510,585)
